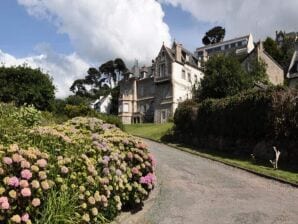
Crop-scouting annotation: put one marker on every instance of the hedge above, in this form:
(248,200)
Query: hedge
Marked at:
(252,117)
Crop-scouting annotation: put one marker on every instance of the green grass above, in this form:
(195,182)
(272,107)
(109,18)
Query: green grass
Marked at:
(157,131)
(284,174)
(150,131)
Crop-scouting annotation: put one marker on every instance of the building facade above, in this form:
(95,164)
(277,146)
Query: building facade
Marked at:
(274,71)
(238,46)
(153,93)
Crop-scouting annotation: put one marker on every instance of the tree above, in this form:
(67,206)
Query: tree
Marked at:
(101,82)
(224,76)
(214,35)
(282,54)
(24,85)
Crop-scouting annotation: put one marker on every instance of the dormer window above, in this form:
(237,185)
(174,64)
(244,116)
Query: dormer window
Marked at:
(162,70)
(187,58)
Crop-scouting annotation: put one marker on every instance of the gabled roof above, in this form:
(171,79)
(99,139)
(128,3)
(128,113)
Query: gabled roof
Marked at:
(224,42)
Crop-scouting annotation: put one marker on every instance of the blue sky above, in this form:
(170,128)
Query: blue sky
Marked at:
(22,32)
(65,37)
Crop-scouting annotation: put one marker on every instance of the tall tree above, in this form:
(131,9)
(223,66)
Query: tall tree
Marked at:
(101,82)
(224,76)
(24,85)
(214,35)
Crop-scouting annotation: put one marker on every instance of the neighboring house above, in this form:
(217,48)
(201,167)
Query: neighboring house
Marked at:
(292,74)
(282,35)
(273,69)
(238,46)
(153,93)
(103,104)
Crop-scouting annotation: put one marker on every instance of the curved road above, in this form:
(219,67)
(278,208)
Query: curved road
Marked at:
(193,190)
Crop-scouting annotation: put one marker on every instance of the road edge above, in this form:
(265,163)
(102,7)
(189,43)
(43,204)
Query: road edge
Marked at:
(196,153)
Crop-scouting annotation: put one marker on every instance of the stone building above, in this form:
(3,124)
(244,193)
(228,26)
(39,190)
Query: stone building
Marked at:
(152,94)
(273,69)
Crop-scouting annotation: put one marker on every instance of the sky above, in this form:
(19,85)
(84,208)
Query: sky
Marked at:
(65,37)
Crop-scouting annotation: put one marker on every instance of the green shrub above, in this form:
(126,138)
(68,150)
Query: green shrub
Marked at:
(251,117)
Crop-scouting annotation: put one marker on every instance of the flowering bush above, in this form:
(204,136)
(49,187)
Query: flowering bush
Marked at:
(23,183)
(107,169)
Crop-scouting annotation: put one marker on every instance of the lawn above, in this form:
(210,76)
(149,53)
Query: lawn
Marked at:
(150,131)
(156,131)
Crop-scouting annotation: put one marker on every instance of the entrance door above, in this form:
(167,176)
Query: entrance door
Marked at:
(163,116)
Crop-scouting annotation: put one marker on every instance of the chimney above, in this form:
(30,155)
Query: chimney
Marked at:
(178,52)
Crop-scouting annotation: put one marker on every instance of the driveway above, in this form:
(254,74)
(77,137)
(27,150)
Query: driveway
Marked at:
(196,190)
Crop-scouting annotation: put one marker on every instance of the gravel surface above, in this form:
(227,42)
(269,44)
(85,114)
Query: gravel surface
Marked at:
(196,190)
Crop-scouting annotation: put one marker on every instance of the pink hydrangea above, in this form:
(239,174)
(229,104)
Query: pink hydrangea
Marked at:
(7,160)
(26,192)
(36,202)
(152,159)
(24,183)
(150,178)
(26,174)
(135,170)
(13,181)
(25,217)
(42,163)
(25,164)
(17,158)
(4,203)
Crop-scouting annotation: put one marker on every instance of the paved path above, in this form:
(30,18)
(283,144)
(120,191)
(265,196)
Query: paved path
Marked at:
(193,190)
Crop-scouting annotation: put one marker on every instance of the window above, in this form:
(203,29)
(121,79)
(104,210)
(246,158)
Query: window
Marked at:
(125,108)
(233,45)
(227,46)
(187,58)
(222,48)
(244,42)
(162,70)
(189,77)
(183,74)
(196,78)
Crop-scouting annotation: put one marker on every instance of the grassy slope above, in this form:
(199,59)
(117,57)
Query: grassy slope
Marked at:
(156,131)
(151,131)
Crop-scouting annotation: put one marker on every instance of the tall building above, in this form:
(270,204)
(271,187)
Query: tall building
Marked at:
(238,46)
(153,93)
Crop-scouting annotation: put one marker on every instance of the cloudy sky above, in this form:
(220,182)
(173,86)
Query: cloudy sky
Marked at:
(65,37)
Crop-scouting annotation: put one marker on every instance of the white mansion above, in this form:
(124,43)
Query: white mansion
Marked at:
(152,94)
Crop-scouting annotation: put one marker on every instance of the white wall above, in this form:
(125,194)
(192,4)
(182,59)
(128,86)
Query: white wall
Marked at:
(182,88)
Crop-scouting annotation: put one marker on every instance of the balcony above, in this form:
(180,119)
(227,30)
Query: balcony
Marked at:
(162,79)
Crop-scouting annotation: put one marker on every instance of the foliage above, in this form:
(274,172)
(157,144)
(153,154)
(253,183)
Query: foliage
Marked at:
(24,85)
(82,171)
(252,116)
(282,54)
(223,77)
(100,80)
(214,35)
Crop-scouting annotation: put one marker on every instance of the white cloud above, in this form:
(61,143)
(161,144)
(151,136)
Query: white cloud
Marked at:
(103,29)
(63,68)
(240,17)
